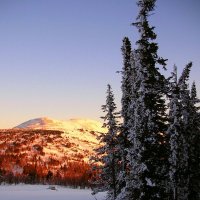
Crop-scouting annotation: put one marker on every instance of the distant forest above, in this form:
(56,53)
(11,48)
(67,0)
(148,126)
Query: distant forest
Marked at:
(23,160)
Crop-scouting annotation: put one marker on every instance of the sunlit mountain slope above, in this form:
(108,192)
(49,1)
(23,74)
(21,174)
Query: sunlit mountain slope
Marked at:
(42,145)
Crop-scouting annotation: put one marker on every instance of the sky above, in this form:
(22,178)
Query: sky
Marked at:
(57,56)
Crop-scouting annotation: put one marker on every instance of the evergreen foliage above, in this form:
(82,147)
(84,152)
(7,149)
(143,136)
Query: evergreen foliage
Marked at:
(147,154)
(194,146)
(184,137)
(174,131)
(126,87)
(156,154)
(108,153)
(126,80)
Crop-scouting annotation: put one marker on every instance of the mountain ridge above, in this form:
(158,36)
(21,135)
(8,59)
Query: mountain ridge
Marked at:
(54,124)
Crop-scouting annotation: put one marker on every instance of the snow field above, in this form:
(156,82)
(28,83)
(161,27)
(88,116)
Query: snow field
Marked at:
(41,192)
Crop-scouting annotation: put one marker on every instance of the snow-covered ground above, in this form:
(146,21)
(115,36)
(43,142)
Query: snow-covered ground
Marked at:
(41,192)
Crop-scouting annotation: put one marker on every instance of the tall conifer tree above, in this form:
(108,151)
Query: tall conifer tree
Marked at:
(126,87)
(147,155)
(174,131)
(194,146)
(184,138)
(189,183)
(108,153)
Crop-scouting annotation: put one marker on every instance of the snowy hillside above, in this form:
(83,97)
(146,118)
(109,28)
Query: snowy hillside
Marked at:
(82,133)
(49,150)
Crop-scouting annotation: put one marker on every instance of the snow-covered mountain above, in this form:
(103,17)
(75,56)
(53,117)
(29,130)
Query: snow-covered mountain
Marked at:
(63,147)
(82,133)
(71,124)
(79,129)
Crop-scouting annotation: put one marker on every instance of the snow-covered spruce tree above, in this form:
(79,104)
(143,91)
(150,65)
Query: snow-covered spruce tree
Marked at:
(194,146)
(108,154)
(126,88)
(174,132)
(183,141)
(184,131)
(147,154)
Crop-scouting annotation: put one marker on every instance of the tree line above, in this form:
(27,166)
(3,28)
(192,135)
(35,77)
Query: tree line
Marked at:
(74,174)
(23,159)
(154,153)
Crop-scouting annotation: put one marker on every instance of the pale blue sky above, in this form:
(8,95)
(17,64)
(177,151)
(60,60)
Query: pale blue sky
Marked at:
(57,56)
